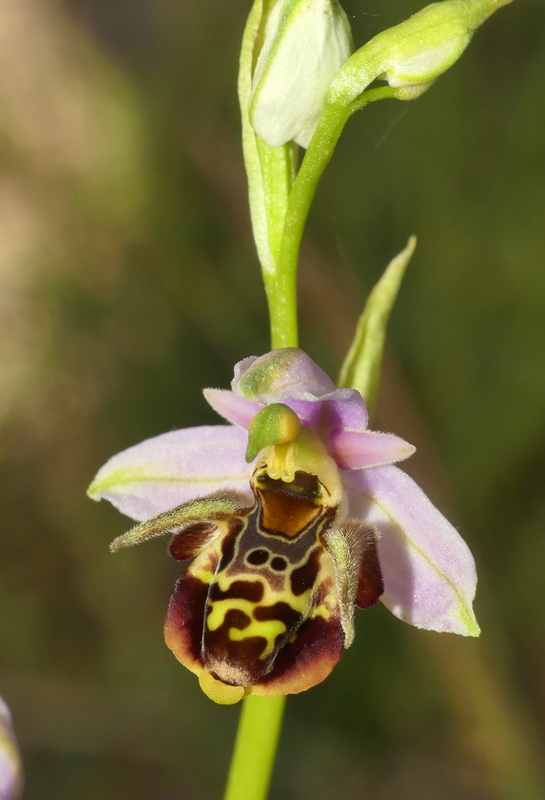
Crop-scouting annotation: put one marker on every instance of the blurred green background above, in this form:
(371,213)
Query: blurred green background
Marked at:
(128,281)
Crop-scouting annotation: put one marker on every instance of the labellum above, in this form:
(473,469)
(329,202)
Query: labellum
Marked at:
(266,606)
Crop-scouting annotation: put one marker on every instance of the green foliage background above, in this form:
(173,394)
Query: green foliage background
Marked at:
(128,281)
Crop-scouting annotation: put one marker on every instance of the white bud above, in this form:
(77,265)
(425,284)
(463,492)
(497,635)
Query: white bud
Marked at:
(306,43)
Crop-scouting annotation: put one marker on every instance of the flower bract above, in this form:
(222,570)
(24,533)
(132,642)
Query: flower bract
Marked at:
(285,545)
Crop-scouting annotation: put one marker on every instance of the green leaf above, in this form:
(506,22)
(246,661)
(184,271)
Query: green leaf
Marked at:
(361,367)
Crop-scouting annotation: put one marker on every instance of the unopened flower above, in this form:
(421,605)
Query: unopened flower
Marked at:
(10,764)
(306,43)
(416,52)
(287,543)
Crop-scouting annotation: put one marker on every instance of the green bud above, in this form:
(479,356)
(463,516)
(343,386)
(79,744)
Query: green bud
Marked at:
(306,43)
(274,424)
(417,51)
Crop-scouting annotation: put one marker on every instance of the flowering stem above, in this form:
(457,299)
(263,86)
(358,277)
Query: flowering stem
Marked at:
(282,301)
(255,748)
(281,282)
(320,150)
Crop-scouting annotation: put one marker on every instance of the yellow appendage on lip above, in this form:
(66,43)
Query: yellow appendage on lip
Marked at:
(220,692)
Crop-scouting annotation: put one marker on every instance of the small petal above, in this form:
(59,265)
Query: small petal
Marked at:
(358,449)
(170,469)
(235,409)
(280,374)
(10,764)
(429,572)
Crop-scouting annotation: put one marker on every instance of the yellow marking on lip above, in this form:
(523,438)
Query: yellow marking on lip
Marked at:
(268,629)
(216,617)
(203,574)
(321,611)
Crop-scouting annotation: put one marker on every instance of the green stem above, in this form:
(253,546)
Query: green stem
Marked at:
(282,302)
(320,150)
(255,748)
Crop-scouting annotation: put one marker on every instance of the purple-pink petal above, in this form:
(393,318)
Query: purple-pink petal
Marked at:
(237,410)
(429,572)
(163,472)
(280,374)
(358,449)
(10,764)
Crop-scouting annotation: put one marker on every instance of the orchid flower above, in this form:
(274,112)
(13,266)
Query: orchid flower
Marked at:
(293,515)
(10,765)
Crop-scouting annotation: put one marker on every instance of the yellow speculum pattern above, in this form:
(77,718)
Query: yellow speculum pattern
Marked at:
(266,629)
(219,609)
(204,575)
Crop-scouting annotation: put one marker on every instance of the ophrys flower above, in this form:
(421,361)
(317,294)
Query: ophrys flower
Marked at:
(286,545)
